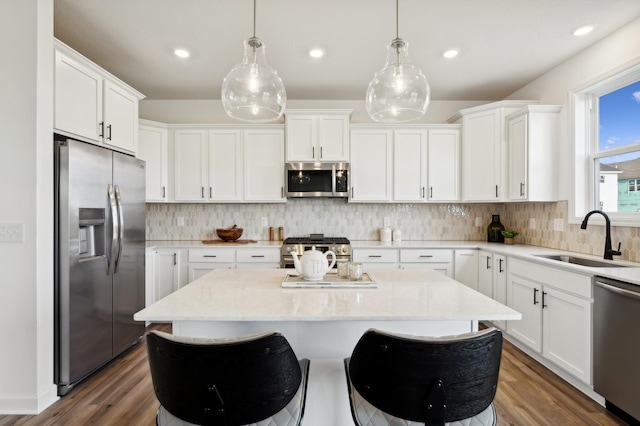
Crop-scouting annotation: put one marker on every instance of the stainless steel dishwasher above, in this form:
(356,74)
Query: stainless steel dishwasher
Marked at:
(616,345)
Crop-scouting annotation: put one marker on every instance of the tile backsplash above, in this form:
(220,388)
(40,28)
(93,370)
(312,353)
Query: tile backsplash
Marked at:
(337,218)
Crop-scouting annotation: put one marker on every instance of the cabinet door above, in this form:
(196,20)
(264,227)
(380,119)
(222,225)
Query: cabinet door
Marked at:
(302,137)
(466,267)
(120,118)
(409,165)
(264,165)
(166,273)
(78,98)
(191,165)
(567,332)
(443,165)
(197,270)
(371,152)
(517,137)
(485,273)
(333,138)
(500,284)
(481,155)
(152,148)
(225,165)
(525,297)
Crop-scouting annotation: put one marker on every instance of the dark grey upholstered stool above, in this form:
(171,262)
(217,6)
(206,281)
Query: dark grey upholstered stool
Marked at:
(249,380)
(400,380)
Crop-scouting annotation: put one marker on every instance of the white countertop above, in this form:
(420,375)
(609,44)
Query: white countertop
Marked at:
(257,295)
(619,270)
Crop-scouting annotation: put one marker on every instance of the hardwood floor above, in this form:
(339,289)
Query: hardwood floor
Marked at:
(122,394)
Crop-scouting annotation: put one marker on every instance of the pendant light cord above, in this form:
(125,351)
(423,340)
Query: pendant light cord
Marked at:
(396,19)
(254,18)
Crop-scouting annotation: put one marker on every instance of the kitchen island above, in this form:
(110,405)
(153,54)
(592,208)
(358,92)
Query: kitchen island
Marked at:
(324,324)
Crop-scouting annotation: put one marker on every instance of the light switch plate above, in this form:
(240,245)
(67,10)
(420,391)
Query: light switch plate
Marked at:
(180,221)
(532,223)
(386,222)
(264,222)
(478,221)
(12,232)
(558,225)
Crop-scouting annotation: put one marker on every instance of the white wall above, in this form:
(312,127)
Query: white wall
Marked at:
(211,111)
(26,171)
(621,49)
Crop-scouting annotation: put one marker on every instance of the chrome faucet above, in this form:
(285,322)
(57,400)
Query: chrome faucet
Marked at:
(608,252)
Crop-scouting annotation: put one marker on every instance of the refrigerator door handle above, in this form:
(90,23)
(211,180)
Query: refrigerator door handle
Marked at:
(115,231)
(120,227)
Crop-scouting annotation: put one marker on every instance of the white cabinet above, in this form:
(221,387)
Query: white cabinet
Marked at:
(484,153)
(229,164)
(264,165)
(204,260)
(261,257)
(317,135)
(371,165)
(152,148)
(440,260)
(168,272)
(556,308)
(93,105)
(409,165)
(443,165)
(500,284)
(466,267)
(485,273)
(532,145)
(191,165)
(376,258)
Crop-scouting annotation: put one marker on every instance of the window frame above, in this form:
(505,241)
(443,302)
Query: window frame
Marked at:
(584,134)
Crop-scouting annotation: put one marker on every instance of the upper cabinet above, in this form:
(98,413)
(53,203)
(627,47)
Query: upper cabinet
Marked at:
(317,135)
(484,150)
(229,164)
(152,148)
(532,145)
(405,163)
(93,105)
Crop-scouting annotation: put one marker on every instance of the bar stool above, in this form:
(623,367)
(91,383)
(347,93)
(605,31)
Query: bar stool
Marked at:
(234,381)
(396,379)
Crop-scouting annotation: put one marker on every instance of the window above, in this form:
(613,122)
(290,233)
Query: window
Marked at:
(606,136)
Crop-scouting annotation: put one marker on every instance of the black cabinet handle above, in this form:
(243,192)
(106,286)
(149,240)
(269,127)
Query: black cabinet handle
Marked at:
(488,259)
(175,259)
(101,129)
(543,304)
(109,132)
(202,191)
(500,266)
(164,194)
(496,191)
(431,192)
(257,255)
(535,294)
(521,189)
(210,255)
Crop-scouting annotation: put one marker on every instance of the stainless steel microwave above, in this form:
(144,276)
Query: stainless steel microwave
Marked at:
(317,180)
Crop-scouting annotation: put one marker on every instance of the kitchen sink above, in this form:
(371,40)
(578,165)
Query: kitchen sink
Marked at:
(580,261)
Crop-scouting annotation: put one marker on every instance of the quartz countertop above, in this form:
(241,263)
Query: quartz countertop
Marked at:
(619,270)
(257,295)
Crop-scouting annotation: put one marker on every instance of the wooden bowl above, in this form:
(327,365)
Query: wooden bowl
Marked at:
(229,234)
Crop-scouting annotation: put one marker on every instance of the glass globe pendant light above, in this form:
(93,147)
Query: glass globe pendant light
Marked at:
(399,91)
(253,91)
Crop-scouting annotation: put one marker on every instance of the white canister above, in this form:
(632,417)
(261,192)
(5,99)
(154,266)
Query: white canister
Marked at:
(397,235)
(385,234)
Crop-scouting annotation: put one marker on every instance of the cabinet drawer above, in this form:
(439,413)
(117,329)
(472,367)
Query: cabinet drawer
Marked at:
(426,255)
(375,255)
(570,282)
(212,255)
(258,255)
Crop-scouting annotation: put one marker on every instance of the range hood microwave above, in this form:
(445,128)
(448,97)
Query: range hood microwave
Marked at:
(304,180)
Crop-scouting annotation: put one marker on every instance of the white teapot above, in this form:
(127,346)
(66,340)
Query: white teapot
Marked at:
(313,264)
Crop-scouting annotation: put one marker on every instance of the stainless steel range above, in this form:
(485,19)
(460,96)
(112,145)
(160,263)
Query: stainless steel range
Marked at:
(340,246)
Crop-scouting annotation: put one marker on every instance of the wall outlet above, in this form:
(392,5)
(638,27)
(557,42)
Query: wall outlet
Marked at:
(386,222)
(12,232)
(532,223)
(478,221)
(180,221)
(558,225)
(264,221)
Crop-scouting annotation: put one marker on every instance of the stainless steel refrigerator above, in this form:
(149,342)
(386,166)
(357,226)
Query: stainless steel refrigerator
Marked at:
(99,257)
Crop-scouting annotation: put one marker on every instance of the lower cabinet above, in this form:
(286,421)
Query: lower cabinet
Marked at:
(261,257)
(440,260)
(165,272)
(375,258)
(556,308)
(485,273)
(204,260)
(466,267)
(492,279)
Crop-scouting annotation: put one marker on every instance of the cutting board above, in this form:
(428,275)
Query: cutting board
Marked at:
(228,242)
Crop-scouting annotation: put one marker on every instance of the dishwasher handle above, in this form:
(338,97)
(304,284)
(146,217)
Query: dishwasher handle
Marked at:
(618,290)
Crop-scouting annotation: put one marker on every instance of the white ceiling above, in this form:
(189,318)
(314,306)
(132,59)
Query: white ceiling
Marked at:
(504,44)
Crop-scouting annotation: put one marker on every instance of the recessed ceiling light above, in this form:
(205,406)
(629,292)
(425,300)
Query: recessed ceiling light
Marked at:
(316,52)
(182,53)
(585,29)
(451,53)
